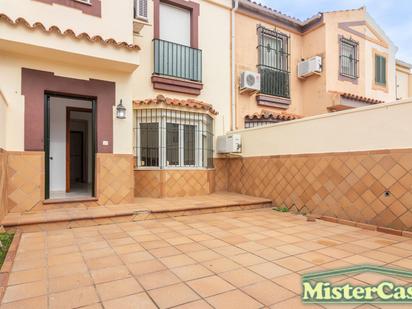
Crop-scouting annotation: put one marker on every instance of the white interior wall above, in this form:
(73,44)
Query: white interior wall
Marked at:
(58,139)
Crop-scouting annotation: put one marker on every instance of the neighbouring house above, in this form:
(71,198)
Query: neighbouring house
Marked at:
(403,80)
(357,62)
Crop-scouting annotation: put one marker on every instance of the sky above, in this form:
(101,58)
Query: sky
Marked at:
(393,16)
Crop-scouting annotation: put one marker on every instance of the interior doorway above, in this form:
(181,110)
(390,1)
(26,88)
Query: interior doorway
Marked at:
(70,137)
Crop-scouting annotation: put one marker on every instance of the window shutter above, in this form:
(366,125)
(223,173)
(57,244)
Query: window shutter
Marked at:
(140,9)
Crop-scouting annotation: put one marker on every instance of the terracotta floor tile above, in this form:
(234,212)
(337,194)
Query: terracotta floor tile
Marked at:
(204,255)
(27,276)
(177,260)
(69,282)
(164,252)
(102,275)
(74,298)
(293,263)
(103,262)
(141,301)
(241,277)
(209,286)
(315,257)
(190,272)
(190,247)
(292,282)
(128,248)
(158,279)
(233,299)
(118,288)
(145,267)
(23,291)
(270,254)
(267,292)
(173,295)
(269,270)
(221,265)
(136,257)
(199,304)
(229,251)
(296,303)
(34,303)
(247,259)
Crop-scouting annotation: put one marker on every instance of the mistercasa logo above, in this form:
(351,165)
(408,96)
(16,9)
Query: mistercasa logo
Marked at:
(317,289)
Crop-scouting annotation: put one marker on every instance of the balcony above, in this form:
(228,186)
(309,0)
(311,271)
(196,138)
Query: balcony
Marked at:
(274,87)
(177,67)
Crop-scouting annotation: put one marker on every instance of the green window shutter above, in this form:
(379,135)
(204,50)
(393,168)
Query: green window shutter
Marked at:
(380,70)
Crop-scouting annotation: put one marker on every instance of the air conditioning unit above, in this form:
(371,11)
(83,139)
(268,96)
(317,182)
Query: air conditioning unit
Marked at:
(229,144)
(249,81)
(140,9)
(310,67)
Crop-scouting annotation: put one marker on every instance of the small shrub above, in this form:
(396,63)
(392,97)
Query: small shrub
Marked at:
(5,241)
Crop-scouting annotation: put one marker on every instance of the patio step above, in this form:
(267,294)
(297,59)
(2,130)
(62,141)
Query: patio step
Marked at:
(142,209)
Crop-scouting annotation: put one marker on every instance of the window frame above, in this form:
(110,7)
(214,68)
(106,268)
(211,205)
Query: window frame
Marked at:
(279,66)
(193,7)
(201,136)
(355,45)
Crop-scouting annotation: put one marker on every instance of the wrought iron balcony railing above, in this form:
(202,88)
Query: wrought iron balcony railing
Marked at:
(274,81)
(176,60)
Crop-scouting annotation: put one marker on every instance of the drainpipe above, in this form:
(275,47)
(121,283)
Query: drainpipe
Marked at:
(235,5)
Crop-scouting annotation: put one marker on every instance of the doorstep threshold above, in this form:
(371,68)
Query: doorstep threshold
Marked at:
(70,200)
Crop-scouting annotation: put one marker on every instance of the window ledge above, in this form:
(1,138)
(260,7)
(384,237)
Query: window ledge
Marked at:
(176,85)
(147,169)
(273,101)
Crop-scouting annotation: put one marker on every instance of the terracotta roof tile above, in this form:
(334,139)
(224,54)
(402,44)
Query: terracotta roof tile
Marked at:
(269,115)
(67,33)
(354,97)
(191,103)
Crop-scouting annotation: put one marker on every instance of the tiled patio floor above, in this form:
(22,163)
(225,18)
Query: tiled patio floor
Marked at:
(241,259)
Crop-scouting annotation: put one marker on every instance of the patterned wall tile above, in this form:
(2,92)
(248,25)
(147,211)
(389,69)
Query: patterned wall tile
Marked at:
(25,174)
(147,184)
(369,187)
(3,193)
(115,179)
(173,183)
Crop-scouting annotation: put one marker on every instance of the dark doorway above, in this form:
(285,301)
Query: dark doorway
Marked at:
(70,146)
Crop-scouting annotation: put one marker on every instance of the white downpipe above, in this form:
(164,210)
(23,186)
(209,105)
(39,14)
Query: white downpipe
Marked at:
(233,120)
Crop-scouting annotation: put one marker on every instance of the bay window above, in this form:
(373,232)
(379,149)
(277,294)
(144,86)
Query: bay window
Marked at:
(167,138)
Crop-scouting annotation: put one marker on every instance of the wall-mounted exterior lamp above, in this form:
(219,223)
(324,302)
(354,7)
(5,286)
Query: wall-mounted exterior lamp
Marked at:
(121,111)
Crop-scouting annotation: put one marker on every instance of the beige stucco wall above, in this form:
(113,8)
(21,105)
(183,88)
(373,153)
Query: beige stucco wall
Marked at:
(383,126)
(10,80)
(3,120)
(247,59)
(214,41)
(403,77)
(115,21)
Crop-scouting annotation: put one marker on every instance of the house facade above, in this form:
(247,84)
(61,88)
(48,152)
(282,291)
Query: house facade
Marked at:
(358,63)
(97,94)
(403,80)
(105,101)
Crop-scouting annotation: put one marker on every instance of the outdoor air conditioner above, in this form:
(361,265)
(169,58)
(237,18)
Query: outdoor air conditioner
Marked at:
(140,9)
(229,144)
(249,81)
(310,66)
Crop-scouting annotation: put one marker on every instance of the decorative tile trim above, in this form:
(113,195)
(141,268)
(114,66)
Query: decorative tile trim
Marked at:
(67,33)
